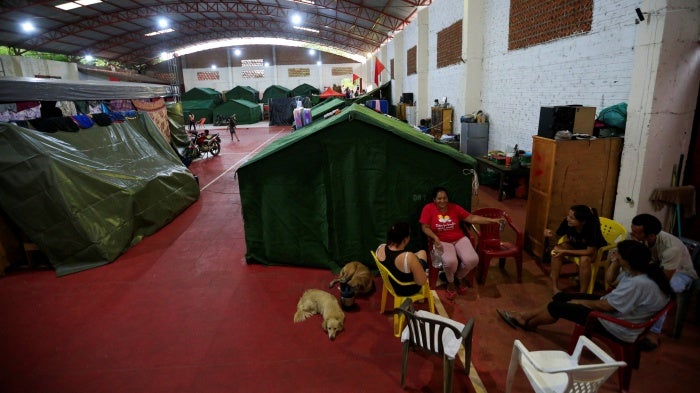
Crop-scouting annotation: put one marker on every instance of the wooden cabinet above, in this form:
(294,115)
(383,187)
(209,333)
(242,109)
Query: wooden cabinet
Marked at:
(406,113)
(401,111)
(441,119)
(567,173)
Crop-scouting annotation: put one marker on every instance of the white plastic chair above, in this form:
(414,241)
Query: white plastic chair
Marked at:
(559,372)
(437,335)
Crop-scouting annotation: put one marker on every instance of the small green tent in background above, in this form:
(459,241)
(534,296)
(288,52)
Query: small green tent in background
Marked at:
(304,90)
(243,93)
(326,106)
(202,93)
(327,193)
(246,111)
(201,101)
(275,91)
(200,109)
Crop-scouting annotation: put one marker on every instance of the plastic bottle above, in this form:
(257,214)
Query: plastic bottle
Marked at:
(436,256)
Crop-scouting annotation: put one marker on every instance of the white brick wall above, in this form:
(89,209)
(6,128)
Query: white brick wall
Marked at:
(410,36)
(593,69)
(320,77)
(445,82)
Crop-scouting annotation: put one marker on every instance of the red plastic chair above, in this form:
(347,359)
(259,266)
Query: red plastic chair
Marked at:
(491,246)
(627,352)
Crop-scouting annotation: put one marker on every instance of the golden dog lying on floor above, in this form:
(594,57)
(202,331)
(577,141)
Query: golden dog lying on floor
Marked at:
(357,276)
(316,301)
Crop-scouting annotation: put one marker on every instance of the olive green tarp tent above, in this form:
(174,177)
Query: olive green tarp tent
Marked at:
(86,197)
(326,194)
(176,123)
(201,101)
(275,91)
(243,93)
(304,90)
(326,106)
(202,93)
(246,112)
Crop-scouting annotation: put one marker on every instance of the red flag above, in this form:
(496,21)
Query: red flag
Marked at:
(354,78)
(378,68)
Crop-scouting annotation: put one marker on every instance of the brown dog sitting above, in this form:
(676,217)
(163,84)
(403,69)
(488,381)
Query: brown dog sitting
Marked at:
(357,276)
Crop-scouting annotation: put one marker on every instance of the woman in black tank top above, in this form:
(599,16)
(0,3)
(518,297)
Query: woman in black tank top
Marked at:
(411,266)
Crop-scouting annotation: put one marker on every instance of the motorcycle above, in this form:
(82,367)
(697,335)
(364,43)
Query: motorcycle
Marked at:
(203,143)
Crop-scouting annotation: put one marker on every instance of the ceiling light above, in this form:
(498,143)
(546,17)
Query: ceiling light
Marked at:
(162,22)
(76,4)
(296,19)
(306,29)
(307,2)
(151,34)
(28,27)
(267,64)
(312,51)
(319,62)
(68,6)
(89,58)
(213,66)
(237,52)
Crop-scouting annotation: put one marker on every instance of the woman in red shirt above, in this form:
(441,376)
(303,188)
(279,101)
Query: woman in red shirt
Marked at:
(440,221)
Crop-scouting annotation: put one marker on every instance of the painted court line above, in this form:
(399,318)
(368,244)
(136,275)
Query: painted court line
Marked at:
(242,160)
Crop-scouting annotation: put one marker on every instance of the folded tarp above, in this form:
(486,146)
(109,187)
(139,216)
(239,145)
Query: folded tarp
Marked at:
(14,89)
(86,197)
(329,105)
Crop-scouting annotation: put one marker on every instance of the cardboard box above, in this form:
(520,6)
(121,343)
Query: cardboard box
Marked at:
(574,118)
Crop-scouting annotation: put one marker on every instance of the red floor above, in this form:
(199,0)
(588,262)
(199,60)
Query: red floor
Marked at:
(183,312)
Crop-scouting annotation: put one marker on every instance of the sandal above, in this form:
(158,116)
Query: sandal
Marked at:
(461,289)
(507,318)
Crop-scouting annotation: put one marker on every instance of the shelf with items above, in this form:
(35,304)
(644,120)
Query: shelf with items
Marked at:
(441,119)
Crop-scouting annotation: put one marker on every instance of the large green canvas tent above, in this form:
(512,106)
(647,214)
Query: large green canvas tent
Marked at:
(246,112)
(326,194)
(243,93)
(86,197)
(275,91)
(304,90)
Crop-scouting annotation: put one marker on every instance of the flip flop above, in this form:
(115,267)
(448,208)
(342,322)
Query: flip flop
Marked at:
(461,290)
(646,345)
(505,316)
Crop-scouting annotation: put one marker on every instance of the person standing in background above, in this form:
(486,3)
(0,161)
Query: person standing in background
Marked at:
(191,122)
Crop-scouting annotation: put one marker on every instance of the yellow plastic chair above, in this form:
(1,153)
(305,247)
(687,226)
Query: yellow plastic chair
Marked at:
(613,232)
(387,287)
